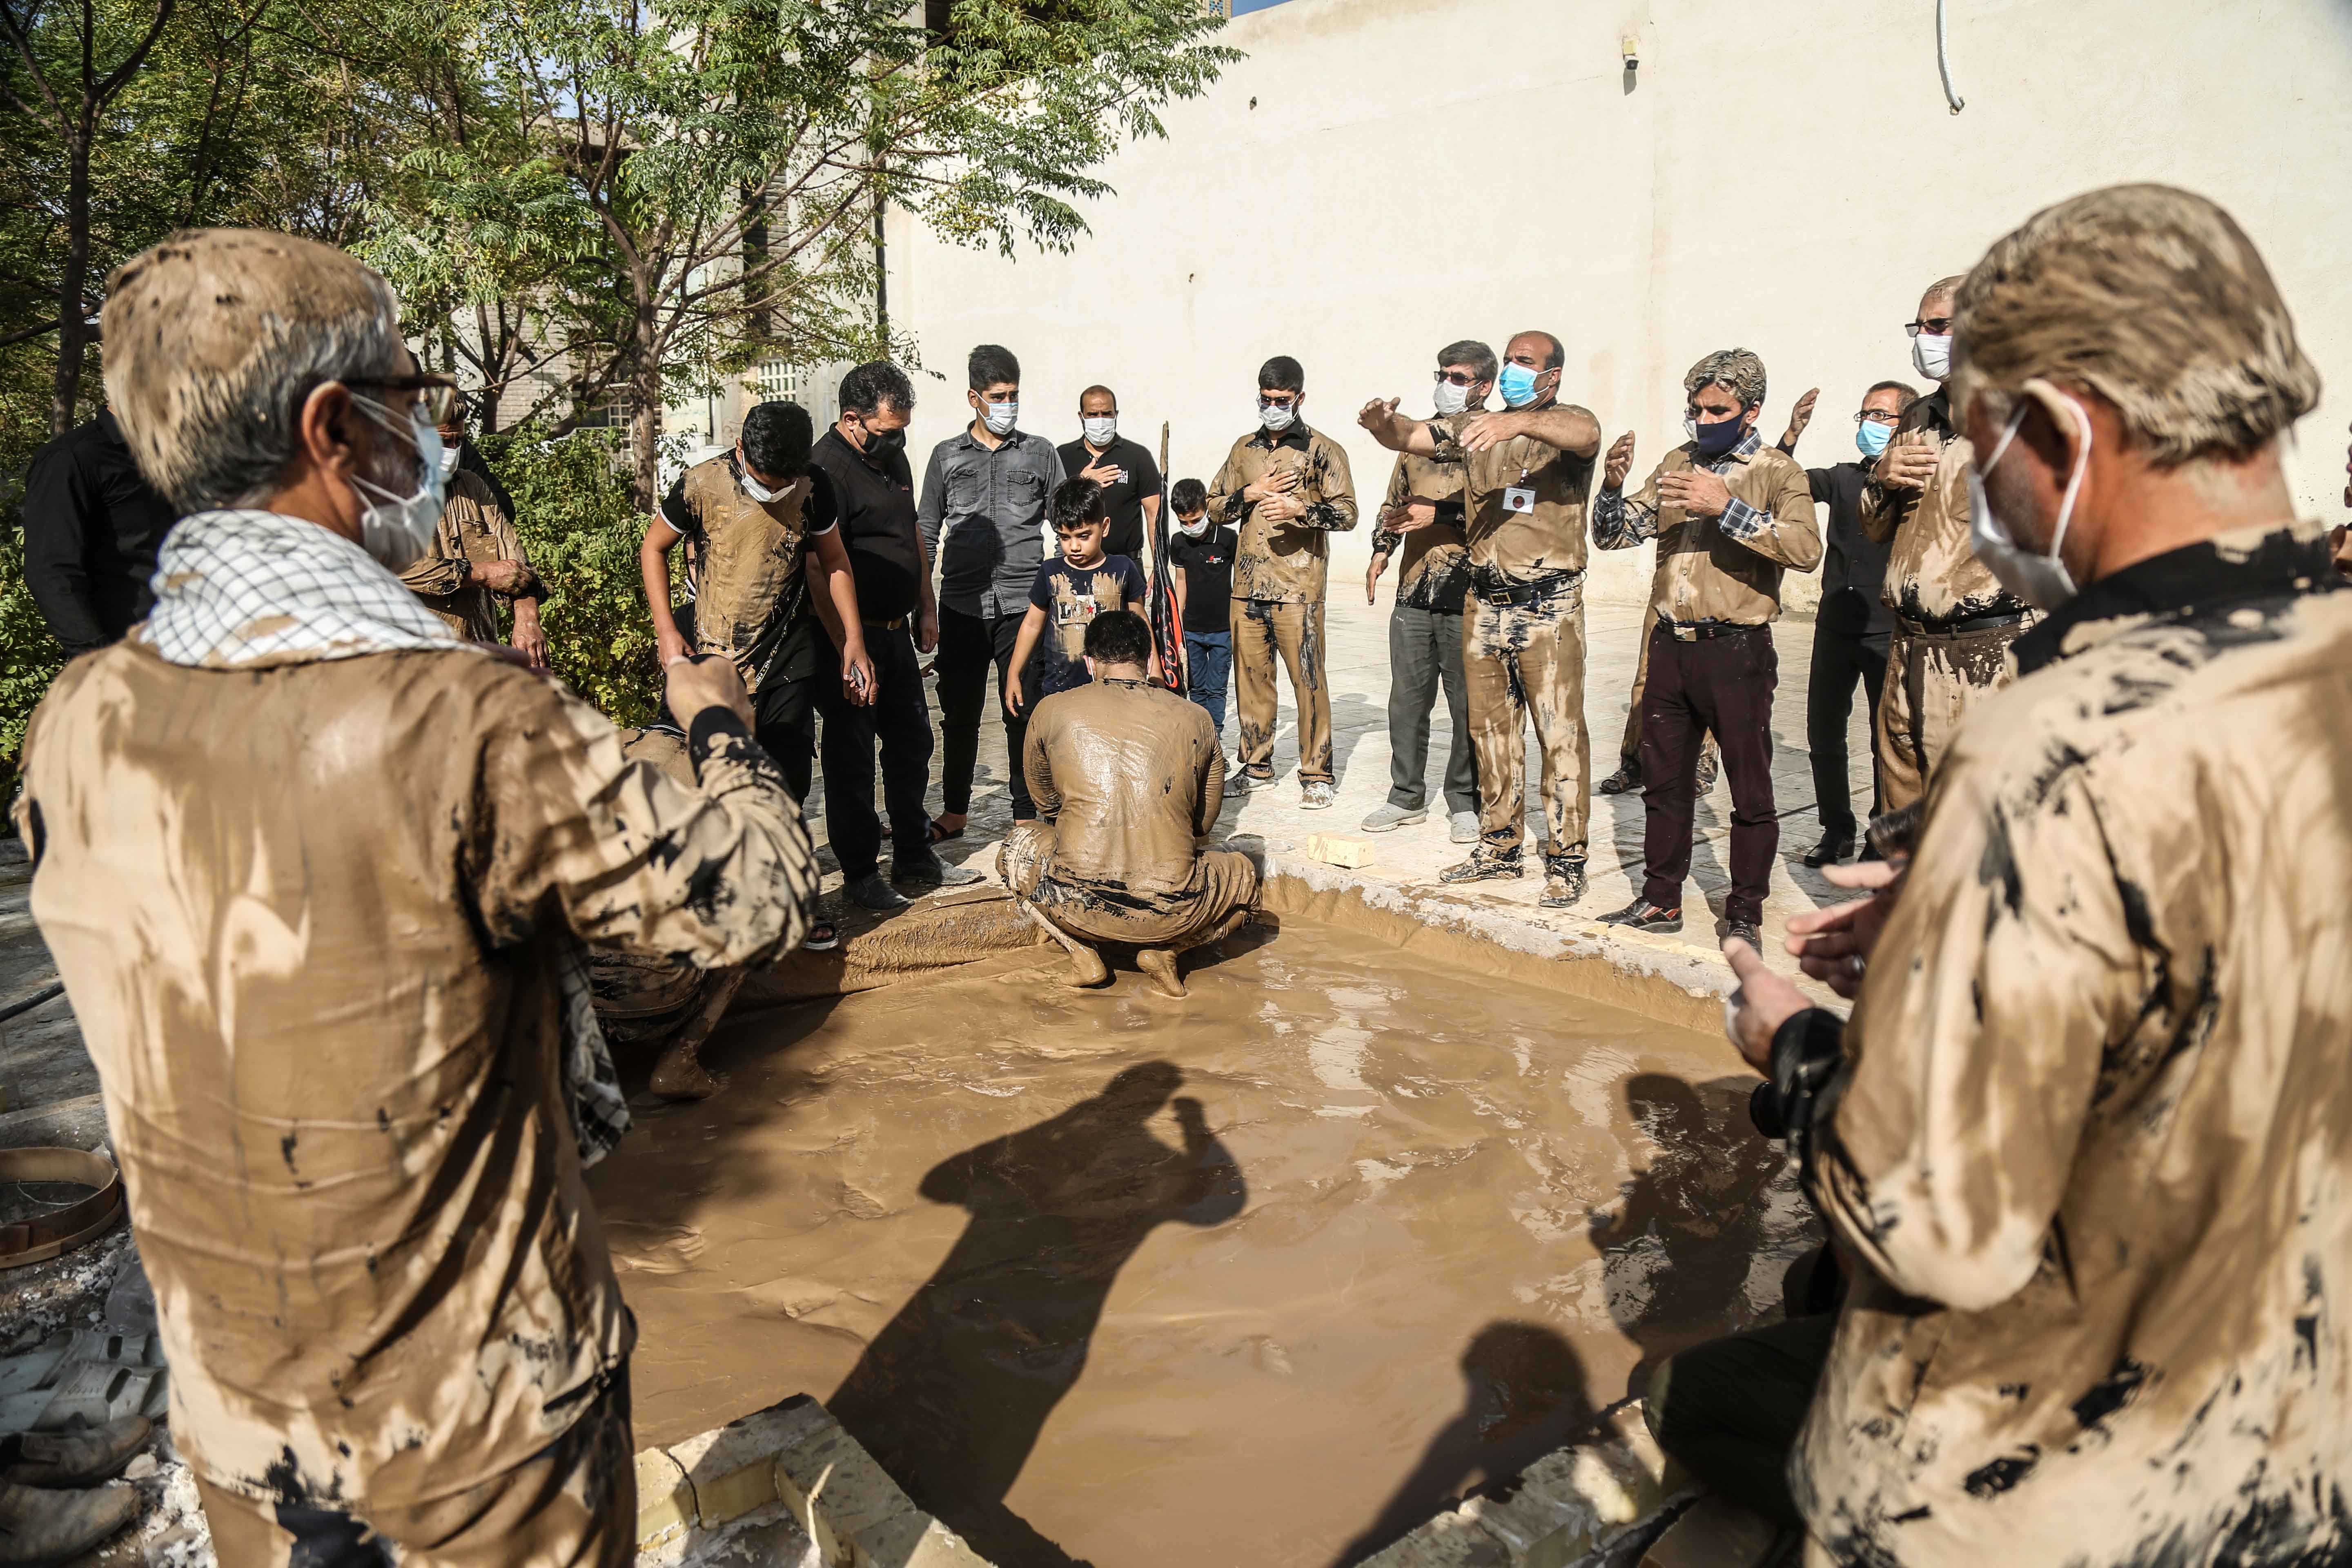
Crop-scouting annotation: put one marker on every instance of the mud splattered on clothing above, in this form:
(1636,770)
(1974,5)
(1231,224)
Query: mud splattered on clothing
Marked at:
(1933,679)
(1522,659)
(1265,630)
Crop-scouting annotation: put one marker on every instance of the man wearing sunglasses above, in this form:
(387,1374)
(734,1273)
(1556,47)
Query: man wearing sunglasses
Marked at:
(1953,620)
(1851,631)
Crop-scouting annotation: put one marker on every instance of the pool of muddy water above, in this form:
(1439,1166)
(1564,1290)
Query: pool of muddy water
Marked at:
(1260,1278)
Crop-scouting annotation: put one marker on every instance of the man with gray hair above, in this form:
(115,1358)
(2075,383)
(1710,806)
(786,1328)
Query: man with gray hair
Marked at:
(1953,619)
(1729,516)
(318,875)
(2088,1133)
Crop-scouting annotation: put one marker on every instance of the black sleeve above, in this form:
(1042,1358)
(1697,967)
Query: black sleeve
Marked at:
(1823,482)
(824,512)
(60,509)
(1146,478)
(677,513)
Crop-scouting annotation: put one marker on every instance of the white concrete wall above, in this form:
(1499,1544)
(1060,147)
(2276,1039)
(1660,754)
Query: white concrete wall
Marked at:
(1382,176)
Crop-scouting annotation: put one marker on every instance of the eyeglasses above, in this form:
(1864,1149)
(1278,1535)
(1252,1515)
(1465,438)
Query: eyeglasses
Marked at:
(436,395)
(1455,378)
(1877,416)
(1934,326)
(1278,399)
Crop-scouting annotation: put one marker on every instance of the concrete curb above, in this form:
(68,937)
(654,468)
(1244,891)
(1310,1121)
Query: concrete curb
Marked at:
(783,1486)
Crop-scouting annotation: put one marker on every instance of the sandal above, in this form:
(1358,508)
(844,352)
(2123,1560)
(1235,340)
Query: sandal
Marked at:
(823,936)
(941,835)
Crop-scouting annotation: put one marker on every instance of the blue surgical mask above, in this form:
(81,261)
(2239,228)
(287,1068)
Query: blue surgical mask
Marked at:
(1517,385)
(1871,438)
(999,416)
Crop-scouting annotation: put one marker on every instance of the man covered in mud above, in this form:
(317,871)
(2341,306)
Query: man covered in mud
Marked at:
(1526,472)
(2088,1132)
(318,874)
(1126,776)
(1285,489)
(1729,517)
(1954,620)
(478,559)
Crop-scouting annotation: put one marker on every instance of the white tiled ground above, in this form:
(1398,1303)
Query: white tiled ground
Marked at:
(1358,668)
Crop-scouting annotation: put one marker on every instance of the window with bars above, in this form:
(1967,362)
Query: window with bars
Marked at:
(773,379)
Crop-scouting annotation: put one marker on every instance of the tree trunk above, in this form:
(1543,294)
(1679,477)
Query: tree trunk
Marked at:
(73,322)
(644,386)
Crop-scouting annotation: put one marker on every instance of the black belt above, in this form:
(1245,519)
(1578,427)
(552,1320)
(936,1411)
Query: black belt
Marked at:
(1700,631)
(1493,588)
(1954,628)
(892,625)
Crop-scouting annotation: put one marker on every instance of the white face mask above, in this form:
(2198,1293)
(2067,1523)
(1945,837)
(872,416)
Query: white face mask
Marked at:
(1195,529)
(1100,429)
(1450,399)
(398,531)
(999,416)
(2042,581)
(753,488)
(1932,355)
(1276,416)
(448,459)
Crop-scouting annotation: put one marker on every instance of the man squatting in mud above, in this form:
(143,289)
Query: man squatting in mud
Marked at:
(2088,1132)
(318,873)
(1524,474)
(1126,777)
(1284,488)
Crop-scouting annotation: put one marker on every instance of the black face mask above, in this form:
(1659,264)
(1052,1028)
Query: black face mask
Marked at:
(1715,439)
(885,444)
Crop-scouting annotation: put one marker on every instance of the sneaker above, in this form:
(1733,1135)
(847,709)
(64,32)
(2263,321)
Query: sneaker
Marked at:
(1462,827)
(1747,931)
(1239,780)
(1485,865)
(1387,818)
(871,892)
(1624,781)
(1831,851)
(1563,881)
(1318,795)
(1707,767)
(1644,915)
(927,871)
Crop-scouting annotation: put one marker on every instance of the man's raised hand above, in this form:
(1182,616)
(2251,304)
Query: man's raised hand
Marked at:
(1619,463)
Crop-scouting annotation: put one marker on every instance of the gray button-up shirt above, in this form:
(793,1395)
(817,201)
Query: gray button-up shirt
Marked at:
(990,507)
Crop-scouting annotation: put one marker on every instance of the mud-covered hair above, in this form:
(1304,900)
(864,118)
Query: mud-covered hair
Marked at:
(1188,495)
(777,437)
(2151,297)
(1118,636)
(1738,371)
(1076,501)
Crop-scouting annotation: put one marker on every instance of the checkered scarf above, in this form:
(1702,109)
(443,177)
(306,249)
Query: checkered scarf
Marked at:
(247,587)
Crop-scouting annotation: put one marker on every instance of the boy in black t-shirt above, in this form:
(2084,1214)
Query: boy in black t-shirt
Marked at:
(1202,555)
(1068,594)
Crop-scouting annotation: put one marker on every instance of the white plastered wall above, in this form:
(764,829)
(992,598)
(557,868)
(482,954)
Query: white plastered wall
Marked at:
(1380,177)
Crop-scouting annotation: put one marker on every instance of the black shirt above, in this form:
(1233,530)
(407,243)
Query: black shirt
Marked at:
(1208,565)
(877,510)
(1071,597)
(1853,567)
(1123,499)
(92,525)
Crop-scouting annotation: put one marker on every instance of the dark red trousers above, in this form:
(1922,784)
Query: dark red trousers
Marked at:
(1723,686)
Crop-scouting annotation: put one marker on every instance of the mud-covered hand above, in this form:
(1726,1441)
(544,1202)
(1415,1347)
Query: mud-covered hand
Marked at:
(530,637)
(1380,417)
(2339,547)
(1281,509)
(1696,490)
(1272,482)
(1799,417)
(1833,945)
(1482,431)
(704,680)
(1409,516)
(1754,1013)
(1618,463)
(507,577)
(1908,465)
(1372,578)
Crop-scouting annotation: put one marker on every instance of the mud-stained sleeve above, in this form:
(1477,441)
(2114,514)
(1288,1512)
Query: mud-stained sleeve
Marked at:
(1788,531)
(1212,786)
(1335,509)
(1226,502)
(2006,971)
(510,548)
(1386,539)
(1620,521)
(721,874)
(1037,769)
(447,570)
(1885,509)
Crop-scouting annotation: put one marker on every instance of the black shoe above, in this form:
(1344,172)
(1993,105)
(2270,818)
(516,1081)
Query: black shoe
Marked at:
(1644,915)
(1485,865)
(1747,931)
(1832,850)
(1706,759)
(927,871)
(1624,781)
(1563,881)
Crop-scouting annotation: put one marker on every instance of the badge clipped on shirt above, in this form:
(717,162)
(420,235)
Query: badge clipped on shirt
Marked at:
(1519,498)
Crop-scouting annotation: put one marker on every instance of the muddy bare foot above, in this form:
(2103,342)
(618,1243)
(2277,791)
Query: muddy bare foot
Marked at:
(1160,965)
(680,1074)
(1087,969)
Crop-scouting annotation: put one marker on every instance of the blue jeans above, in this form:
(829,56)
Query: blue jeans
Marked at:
(1208,666)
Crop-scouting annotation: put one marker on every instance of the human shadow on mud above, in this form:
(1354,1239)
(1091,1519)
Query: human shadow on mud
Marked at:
(951,1397)
(1679,1244)
(1526,1397)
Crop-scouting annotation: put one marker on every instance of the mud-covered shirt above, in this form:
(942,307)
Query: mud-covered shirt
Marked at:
(749,587)
(315,918)
(1933,575)
(1432,564)
(2092,1134)
(473,527)
(1524,501)
(1285,562)
(1129,779)
(1726,570)
(1071,597)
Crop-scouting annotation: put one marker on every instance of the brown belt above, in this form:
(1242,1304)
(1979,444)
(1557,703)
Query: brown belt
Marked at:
(45,1236)
(896,623)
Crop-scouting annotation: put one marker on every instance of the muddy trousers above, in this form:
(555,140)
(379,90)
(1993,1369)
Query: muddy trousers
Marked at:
(571,1505)
(1425,655)
(1731,1409)
(1522,661)
(1723,685)
(969,645)
(1262,631)
(1933,678)
(1845,652)
(1629,749)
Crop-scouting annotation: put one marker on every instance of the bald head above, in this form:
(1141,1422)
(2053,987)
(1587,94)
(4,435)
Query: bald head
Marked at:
(215,337)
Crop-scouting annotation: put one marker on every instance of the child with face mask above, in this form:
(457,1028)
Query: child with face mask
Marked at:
(1202,553)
